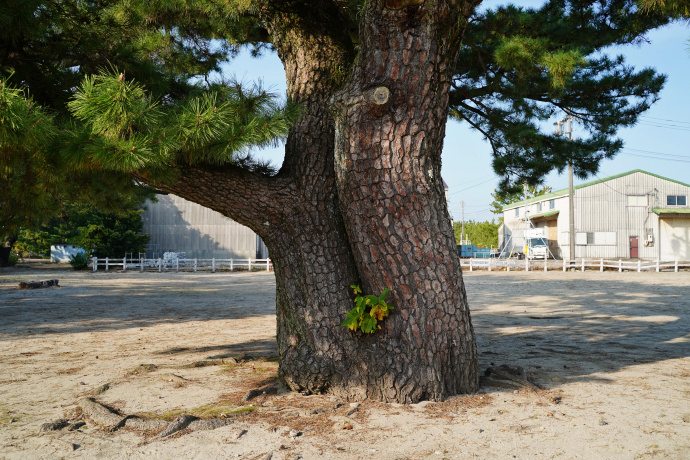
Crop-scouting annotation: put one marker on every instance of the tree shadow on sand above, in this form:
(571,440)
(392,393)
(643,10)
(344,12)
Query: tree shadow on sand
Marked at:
(578,327)
(575,328)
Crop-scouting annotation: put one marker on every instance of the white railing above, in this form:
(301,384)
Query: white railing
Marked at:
(178,264)
(578,264)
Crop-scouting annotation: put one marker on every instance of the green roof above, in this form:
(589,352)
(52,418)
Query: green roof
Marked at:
(560,193)
(544,214)
(671,210)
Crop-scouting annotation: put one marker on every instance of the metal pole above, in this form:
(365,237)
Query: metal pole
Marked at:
(571,209)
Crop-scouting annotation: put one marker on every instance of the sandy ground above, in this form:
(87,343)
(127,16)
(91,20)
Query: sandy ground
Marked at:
(611,349)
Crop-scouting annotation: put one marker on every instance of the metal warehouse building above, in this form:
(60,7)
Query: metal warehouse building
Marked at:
(636,214)
(181,226)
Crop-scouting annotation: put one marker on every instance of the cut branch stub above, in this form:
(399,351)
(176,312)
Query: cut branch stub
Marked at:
(380,95)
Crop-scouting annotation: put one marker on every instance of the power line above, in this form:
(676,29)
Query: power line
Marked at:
(656,157)
(671,155)
(658,125)
(665,119)
(473,186)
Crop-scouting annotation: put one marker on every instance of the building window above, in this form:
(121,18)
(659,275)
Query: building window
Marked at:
(539,207)
(676,200)
(552,204)
(517,212)
(637,200)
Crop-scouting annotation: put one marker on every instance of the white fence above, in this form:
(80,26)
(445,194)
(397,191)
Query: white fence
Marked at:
(178,264)
(579,264)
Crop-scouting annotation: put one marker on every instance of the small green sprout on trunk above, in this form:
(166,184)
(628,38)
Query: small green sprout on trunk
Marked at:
(368,311)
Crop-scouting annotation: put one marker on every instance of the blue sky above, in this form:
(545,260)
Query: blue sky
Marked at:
(659,143)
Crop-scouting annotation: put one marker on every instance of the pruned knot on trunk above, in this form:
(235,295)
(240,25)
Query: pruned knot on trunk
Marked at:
(380,95)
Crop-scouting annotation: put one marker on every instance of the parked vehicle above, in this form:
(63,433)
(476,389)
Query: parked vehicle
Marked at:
(536,245)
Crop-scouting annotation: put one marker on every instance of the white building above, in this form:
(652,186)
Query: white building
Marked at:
(631,215)
(181,226)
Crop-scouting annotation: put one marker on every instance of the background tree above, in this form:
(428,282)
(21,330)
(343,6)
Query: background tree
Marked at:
(483,234)
(102,234)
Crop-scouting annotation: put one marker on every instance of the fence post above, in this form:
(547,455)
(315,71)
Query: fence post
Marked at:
(508,264)
(489,264)
(676,268)
(657,265)
(213,265)
(470,263)
(160,265)
(601,264)
(249,264)
(546,262)
(106,264)
(639,266)
(124,263)
(195,265)
(177,264)
(232,268)
(268,264)
(620,266)
(526,263)
(94,261)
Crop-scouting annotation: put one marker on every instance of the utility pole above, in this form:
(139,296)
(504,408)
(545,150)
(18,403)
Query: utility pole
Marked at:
(566,125)
(527,223)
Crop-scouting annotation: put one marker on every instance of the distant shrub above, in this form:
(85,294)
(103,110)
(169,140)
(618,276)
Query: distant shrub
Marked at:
(13,260)
(79,261)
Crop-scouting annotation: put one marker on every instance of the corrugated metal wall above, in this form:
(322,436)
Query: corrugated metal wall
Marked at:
(178,225)
(604,207)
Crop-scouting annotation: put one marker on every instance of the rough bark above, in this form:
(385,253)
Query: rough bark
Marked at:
(381,221)
(6,249)
(390,127)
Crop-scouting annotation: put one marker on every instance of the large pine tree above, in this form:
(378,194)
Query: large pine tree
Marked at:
(359,198)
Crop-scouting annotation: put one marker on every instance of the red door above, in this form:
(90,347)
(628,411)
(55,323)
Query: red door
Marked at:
(633,247)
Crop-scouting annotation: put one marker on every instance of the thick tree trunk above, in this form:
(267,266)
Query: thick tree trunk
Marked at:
(390,128)
(380,221)
(6,249)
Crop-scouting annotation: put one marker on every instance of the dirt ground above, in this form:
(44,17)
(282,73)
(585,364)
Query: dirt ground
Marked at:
(612,351)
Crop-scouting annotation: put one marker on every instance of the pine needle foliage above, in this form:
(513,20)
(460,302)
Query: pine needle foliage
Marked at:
(521,69)
(128,131)
(27,168)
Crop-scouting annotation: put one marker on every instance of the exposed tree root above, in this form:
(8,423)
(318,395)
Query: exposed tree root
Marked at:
(508,376)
